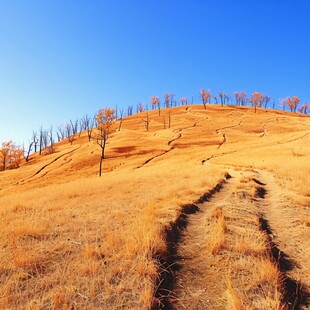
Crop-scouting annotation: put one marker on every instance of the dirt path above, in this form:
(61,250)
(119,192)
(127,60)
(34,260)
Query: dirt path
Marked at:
(290,225)
(235,253)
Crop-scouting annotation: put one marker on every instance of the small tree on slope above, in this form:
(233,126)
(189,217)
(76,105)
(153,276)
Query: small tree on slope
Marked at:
(105,119)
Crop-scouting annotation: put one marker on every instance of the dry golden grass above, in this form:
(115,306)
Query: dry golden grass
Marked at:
(71,239)
(216,240)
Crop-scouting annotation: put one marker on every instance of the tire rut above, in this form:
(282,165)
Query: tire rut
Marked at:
(296,293)
(197,273)
(170,261)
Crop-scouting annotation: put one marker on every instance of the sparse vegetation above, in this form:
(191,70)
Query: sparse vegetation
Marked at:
(71,239)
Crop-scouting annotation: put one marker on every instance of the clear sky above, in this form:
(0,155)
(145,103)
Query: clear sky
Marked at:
(61,59)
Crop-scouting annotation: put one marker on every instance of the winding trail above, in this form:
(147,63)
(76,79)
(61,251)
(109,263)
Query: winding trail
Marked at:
(170,142)
(49,164)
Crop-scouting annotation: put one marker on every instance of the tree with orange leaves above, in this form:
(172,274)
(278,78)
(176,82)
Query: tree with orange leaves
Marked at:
(205,96)
(304,107)
(256,99)
(155,102)
(10,155)
(105,121)
(240,97)
(293,103)
(167,99)
(184,101)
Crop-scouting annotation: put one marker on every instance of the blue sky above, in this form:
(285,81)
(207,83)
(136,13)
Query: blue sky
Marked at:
(61,59)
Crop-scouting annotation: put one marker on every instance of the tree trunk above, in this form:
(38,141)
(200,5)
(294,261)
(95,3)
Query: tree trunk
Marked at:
(101,158)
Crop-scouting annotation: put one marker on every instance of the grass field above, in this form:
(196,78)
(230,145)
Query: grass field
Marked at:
(72,240)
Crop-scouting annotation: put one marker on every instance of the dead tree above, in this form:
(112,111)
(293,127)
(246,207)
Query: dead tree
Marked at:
(61,133)
(129,110)
(35,140)
(171,99)
(147,121)
(70,135)
(88,124)
(121,119)
(40,140)
(169,119)
(27,154)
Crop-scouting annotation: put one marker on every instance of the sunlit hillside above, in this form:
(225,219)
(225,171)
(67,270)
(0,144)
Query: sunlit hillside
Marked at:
(194,216)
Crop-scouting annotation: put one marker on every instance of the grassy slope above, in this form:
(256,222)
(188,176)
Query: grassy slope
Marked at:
(69,238)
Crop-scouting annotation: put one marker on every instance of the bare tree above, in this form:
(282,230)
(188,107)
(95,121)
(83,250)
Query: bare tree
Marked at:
(222,97)
(88,124)
(121,119)
(27,153)
(45,140)
(74,126)
(50,147)
(69,133)
(172,95)
(169,119)
(147,121)
(129,110)
(40,140)
(61,133)
(35,140)
(266,99)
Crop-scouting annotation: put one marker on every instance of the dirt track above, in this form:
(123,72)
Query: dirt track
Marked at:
(237,249)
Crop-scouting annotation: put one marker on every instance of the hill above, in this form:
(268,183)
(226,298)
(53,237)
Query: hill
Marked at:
(210,213)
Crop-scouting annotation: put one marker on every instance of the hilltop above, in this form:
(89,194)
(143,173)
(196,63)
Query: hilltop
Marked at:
(211,212)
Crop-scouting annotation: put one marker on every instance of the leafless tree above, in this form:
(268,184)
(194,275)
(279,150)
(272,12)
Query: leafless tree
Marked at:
(27,153)
(172,95)
(121,119)
(74,126)
(147,121)
(35,140)
(69,133)
(129,110)
(50,147)
(169,119)
(42,139)
(266,99)
(61,133)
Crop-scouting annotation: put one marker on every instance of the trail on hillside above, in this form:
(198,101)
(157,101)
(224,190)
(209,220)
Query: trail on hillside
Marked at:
(31,178)
(230,250)
(170,142)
